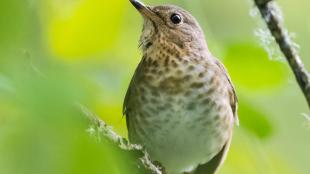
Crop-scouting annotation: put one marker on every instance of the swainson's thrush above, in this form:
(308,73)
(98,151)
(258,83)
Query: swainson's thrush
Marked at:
(180,104)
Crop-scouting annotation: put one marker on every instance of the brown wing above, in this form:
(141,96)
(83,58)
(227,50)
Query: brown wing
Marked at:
(232,93)
(129,89)
(212,166)
(126,103)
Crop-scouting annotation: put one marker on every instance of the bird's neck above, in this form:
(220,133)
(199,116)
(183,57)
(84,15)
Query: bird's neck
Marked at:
(162,50)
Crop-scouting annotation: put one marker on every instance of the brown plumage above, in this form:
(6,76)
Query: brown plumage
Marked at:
(180,103)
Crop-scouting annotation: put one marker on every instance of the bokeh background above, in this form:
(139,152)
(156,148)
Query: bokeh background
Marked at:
(57,53)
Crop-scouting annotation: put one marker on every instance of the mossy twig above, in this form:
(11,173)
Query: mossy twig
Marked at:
(271,16)
(101,130)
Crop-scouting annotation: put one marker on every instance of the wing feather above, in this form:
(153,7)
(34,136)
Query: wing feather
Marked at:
(232,93)
(213,165)
(126,103)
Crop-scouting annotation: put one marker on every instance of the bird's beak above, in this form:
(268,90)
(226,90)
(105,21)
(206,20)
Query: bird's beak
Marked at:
(144,10)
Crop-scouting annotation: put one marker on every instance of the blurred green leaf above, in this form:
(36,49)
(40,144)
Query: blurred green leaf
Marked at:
(248,155)
(21,14)
(251,68)
(77,29)
(47,133)
(254,121)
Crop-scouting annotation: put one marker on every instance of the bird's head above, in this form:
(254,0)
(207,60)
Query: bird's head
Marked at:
(170,25)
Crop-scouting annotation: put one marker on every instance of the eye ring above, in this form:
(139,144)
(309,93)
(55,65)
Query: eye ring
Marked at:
(176,18)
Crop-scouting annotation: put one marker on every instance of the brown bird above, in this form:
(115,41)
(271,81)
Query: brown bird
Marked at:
(180,104)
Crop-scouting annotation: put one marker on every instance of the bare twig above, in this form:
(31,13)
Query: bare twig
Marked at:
(269,12)
(100,130)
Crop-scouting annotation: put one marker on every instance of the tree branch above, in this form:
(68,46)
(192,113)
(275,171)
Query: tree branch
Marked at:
(100,130)
(270,15)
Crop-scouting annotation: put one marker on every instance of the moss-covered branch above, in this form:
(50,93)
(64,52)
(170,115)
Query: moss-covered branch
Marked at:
(269,12)
(100,130)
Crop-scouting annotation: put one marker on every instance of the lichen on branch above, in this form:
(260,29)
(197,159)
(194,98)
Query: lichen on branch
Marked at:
(274,20)
(100,130)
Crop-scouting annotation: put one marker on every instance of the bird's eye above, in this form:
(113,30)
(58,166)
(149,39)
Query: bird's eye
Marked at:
(176,18)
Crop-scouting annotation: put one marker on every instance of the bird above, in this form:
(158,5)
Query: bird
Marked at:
(181,105)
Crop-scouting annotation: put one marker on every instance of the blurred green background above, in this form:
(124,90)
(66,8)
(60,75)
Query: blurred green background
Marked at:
(55,53)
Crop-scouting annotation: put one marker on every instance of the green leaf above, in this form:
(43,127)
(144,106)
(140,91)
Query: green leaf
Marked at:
(254,121)
(250,67)
(249,156)
(81,28)
(41,130)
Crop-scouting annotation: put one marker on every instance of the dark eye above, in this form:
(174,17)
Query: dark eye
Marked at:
(176,18)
